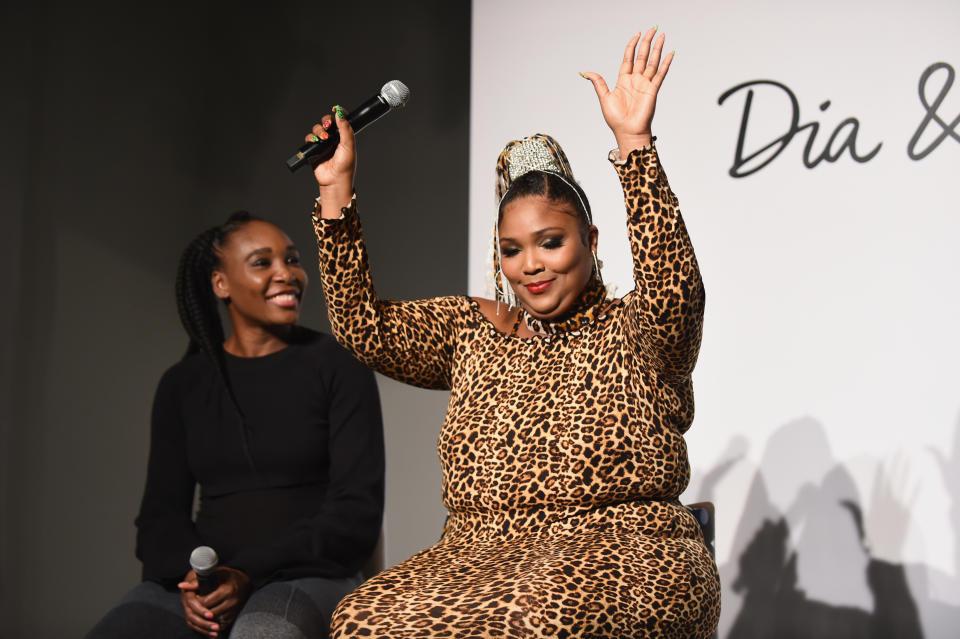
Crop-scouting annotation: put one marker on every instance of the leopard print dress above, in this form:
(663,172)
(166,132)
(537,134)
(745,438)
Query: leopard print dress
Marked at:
(562,456)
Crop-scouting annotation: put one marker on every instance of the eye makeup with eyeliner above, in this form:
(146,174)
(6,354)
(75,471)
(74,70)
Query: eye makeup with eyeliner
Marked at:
(554,241)
(547,255)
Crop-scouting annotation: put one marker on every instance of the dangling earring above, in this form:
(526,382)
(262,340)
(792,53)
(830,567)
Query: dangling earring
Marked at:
(505,290)
(597,265)
(500,283)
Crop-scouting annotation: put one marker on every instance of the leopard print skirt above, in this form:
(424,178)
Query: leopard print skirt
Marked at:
(635,569)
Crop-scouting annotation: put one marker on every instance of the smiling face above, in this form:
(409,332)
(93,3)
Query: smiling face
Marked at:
(261,276)
(546,254)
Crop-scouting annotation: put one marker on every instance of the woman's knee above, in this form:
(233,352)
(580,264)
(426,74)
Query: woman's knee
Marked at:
(264,625)
(284,610)
(146,611)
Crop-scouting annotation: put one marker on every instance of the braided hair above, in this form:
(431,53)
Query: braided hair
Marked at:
(552,187)
(197,304)
(535,165)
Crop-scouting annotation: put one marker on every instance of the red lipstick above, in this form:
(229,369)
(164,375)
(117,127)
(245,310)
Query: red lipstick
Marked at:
(538,287)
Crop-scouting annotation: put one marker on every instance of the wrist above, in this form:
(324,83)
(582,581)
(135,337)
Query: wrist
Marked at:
(333,199)
(628,142)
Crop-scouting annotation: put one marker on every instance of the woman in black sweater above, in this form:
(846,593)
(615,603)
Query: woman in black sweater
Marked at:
(280,427)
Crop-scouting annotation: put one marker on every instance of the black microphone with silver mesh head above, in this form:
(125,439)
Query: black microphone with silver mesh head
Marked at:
(394,94)
(204,561)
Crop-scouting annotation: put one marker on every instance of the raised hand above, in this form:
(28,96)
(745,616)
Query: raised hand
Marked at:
(888,520)
(628,109)
(335,175)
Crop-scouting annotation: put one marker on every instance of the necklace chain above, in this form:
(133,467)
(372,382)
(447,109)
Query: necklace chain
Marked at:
(585,312)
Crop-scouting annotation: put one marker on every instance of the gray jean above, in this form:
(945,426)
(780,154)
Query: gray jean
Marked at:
(296,609)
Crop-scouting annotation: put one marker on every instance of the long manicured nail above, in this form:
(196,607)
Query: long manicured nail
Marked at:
(674,52)
(326,124)
(339,110)
(314,138)
(656,27)
(324,135)
(582,75)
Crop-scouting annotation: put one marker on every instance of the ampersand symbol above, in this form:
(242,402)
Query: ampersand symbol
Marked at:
(948,129)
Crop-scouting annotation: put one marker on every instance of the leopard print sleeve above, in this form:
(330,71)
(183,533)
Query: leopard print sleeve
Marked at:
(665,310)
(412,342)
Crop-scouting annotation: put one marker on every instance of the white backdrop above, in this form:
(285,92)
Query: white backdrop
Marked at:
(828,386)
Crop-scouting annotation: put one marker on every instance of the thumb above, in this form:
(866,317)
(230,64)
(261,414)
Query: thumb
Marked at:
(189,581)
(599,84)
(343,127)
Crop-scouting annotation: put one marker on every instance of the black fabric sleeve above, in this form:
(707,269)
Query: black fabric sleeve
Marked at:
(165,531)
(343,532)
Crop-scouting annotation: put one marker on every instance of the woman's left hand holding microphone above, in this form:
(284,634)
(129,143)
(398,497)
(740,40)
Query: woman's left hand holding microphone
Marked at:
(210,614)
(335,176)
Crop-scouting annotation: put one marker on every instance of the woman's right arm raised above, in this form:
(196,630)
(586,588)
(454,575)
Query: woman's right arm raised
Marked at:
(335,176)
(413,342)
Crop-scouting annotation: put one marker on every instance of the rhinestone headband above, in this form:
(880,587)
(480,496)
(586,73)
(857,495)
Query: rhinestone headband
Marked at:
(535,153)
(538,152)
(531,154)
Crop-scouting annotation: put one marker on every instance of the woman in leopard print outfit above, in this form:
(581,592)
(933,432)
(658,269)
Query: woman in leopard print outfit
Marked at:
(562,450)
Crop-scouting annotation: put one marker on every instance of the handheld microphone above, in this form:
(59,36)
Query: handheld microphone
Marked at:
(204,560)
(394,94)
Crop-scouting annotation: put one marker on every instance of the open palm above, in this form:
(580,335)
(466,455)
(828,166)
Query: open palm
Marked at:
(628,109)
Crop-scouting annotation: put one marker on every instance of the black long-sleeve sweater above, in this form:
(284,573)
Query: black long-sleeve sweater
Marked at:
(304,499)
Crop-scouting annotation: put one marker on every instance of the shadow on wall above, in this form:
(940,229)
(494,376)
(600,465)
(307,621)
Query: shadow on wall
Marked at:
(829,542)
(929,583)
(774,606)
